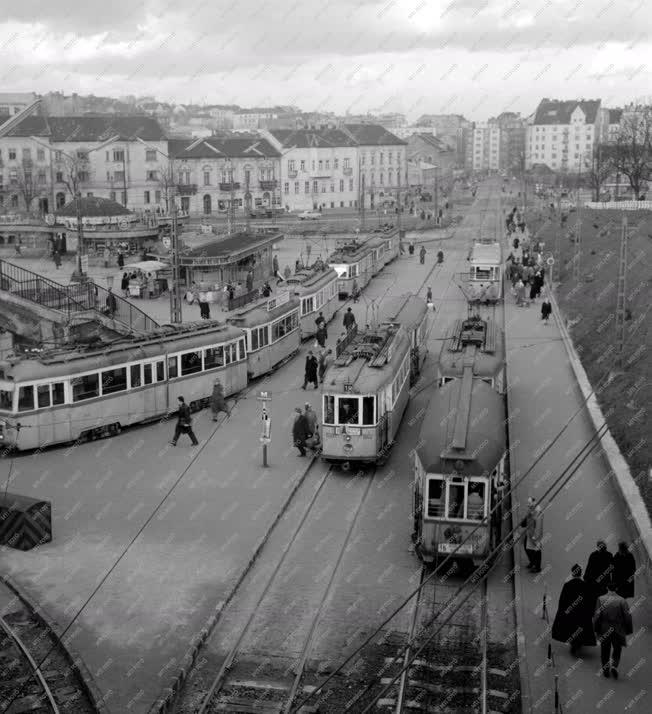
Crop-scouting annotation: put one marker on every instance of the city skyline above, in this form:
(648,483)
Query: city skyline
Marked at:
(469,57)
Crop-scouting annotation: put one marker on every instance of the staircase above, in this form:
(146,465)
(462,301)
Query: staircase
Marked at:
(79,302)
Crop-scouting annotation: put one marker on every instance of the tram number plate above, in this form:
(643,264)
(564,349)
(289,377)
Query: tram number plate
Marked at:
(454,547)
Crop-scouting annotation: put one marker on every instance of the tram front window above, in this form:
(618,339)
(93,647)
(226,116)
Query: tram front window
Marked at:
(456,500)
(368,410)
(475,501)
(329,409)
(6,400)
(435,498)
(348,410)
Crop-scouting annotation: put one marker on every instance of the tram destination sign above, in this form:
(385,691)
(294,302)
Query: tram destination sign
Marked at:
(264,397)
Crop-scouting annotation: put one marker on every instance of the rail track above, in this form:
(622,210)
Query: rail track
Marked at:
(36,675)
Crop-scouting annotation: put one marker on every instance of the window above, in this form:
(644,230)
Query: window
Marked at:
(190,363)
(284,326)
(306,187)
(328,163)
(259,337)
(157,196)
(307,305)
(368,416)
(82,155)
(13,177)
(153,175)
(207,178)
(27,154)
(85,387)
(323,187)
(114,380)
(160,371)
(40,154)
(25,398)
(291,165)
(112,195)
(119,155)
(303,165)
(286,187)
(41,178)
(147,374)
(332,188)
(230,353)
(329,409)
(455,500)
(475,500)
(213,357)
(146,196)
(348,410)
(59,176)
(135,377)
(12,154)
(350,184)
(6,400)
(43,395)
(296,187)
(150,155)
(347,163)
(58,393)
(243,351)
(173,368)
(435,504)
(315,186)
(336,163)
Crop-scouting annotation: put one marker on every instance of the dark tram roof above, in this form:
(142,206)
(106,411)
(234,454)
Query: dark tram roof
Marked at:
(407,310)
(263,311)
(368,361)
(167,339)
(481,341)
(311,277)
(349,252)
(463,429)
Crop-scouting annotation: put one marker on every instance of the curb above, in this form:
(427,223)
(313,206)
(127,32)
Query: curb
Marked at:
(638,519)
(75,661)
(164,703)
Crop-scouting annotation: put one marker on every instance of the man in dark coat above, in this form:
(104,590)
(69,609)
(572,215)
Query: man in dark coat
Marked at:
(349,319)
(321,336)
(218,402)
(574,619)
(310,376)
(300,431)
(323,364)
(184,424)
(624,571)
(111,303)
(320,321)
(598,571)
(613,622)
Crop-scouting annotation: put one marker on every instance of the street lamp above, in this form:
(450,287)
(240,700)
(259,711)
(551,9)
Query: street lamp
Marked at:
(175,288)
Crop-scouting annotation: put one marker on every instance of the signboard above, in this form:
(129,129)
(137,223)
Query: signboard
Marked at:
(454,547)
(167,242)
(264,397)
(123,225)
(550,261)
(84,264)
(280,299)
(49,219)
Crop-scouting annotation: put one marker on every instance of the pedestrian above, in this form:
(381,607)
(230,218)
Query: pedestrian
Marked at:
(310,371)
(121,260)
(107,256)
(533,524)
(111,303)
(323,364)
(218,402)
(321,336)
(520,293)
(320,321)
(124,284)
(267,290)
(184,424)
(546,309)
(624,571)
(429,296)
(613,622)
(275,266)
(311,418)
(151,285)
(411,247)
(574,619)
(314,441)
(355,291)
(300,431)
(534,282)
(250,281)
(598,571)
(57,259)
(422,255)
(349,319)
(440,256)
(287,272)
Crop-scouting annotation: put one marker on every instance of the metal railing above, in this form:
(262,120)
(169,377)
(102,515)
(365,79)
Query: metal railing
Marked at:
(243,300)
(74,298)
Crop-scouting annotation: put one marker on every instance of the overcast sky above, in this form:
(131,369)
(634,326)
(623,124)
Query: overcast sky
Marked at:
(474,57)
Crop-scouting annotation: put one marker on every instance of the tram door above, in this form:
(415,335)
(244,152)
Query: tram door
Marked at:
(382,420)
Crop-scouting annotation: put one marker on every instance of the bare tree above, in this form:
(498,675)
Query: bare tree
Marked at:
(600,165)
(632,152)
(26,184)
(75,172)
(167,184)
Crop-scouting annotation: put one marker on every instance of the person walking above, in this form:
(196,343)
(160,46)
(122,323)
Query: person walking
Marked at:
(111,303)
(320,321)
(311,418)
(624,571)
(429,297)
(349,319)
(355,291)
(300,431)
(57,259)
(321,336)
(184,424)
(411,247)
(218,401)
(107,257)
(546,309)
(422,255)
(520,293)
(323,364)
(573,622)
(613,622)
(124,284)
(275,266)
(598,571)
(533,524)
(310,372)
(121,260)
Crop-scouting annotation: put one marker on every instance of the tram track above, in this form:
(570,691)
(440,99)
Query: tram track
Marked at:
(266,662)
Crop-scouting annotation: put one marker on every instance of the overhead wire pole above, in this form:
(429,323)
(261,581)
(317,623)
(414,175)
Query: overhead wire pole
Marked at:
(577,255)
(621,294)
(557,256)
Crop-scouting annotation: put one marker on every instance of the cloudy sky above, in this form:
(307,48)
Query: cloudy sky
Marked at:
(475,57)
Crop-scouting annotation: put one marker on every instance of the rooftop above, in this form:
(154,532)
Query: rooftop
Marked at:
(373,135)
(90,128)
(558,111)
(234,246)
(615,115)
(94,206)
(312,138)
(230,146)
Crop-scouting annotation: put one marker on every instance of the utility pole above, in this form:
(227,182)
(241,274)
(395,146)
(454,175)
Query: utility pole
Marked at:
(557,255)
(81,276)
(621,294)
(361,188)
(175,288)
(578,237)
(231,211)
(435,195)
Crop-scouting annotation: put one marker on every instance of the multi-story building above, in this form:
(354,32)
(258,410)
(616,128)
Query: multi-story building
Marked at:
(512,140)
(563,134)
(214,171)
(424,148)
(254,118)
(486,147)
(223,114)
(318,167)
(612,125)
(382,161)
(45,160)
(15,102)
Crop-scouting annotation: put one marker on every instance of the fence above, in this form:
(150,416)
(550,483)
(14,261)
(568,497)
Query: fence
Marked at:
(243,300)
(621,205)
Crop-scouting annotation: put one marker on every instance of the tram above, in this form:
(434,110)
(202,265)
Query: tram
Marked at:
(64,395)
(474,341)
(365,393)
(384,249)
(411,312)
(317,290)
(485,282)
(353,262)
(271,327)
(459,467)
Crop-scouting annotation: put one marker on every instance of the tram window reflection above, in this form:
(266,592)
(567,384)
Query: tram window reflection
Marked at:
(160,371)
(348,410)
(435,498)
(329,410)
(147,374)
(456,501)
(58,393)
(85,387)
(6,400)
(368,410)
(475,501)
(25,398)
(43,395)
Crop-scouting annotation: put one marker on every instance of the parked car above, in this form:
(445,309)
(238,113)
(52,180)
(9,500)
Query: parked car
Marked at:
(310,216)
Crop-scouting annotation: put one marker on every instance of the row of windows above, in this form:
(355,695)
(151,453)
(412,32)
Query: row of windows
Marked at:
(26,154)
(26,178)
(400,378)
(372,158)
(456,499)
(340,411)
(316,187)
(314,302)
(320,165)
(120,379)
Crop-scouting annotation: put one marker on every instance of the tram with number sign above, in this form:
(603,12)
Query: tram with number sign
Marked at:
(485,283)
(316,288)
(352,261)
(411,312)
(459,471)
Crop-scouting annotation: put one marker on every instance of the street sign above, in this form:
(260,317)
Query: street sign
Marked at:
(550,261)
(50,219)
(265,440)
(123,225)
(264,397)
(84,263)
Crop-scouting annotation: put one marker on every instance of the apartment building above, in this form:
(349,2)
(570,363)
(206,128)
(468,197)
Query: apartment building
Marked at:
(485,147)
(12,103)
(318,167)
(254,118)
(424,149)
(214,171)
(563,134)
(45,160)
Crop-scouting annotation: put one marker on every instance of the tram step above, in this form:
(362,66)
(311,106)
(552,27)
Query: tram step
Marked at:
(247,706)
(257,684)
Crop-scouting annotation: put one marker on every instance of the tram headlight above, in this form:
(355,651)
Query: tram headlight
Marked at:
(348,447)
(347,438)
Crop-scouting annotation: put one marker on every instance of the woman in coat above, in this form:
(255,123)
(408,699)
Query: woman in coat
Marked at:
(218,402)
(624,571)
(124,284)
(574,619)
(598,571)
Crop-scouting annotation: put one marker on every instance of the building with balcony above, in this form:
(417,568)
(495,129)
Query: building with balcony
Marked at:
(485,147)
(45,160)
(611,125)
(563,134)
(318,167)
(213,172)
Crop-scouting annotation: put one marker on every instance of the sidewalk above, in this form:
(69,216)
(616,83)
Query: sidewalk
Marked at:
(543,396)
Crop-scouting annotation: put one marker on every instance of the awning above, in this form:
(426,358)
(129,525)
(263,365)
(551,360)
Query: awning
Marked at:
(148,266)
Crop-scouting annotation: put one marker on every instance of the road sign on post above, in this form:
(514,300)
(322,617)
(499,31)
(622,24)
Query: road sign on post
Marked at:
(266,424)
